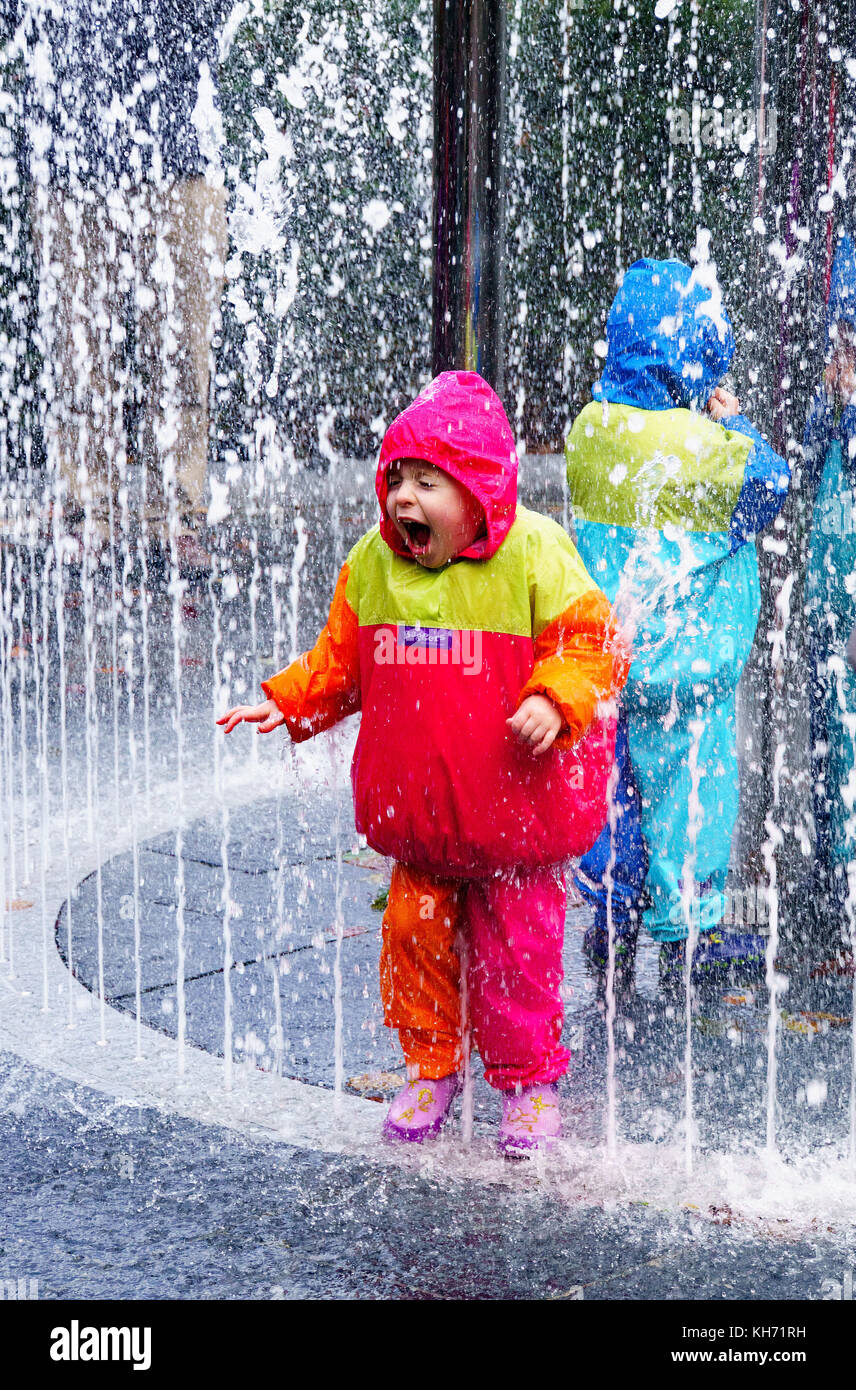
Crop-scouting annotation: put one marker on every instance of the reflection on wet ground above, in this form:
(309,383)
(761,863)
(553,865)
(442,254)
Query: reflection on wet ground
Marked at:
(111,1201)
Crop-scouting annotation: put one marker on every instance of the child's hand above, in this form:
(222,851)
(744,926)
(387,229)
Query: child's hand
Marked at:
(722,404)
(268,717)
(536,723)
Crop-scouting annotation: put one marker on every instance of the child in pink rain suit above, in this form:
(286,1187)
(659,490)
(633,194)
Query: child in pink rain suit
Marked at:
(484,661)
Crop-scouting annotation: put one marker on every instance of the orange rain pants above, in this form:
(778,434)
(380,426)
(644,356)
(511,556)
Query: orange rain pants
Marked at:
(508,930)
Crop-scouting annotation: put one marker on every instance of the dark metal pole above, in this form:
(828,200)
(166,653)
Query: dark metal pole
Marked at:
(469,187)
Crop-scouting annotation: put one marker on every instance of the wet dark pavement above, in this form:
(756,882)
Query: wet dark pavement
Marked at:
(106,1201)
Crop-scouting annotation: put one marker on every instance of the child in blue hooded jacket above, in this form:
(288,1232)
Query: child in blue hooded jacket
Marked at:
(669,485)
(829,481)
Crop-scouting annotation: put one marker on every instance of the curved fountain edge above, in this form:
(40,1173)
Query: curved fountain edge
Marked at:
(259,1104)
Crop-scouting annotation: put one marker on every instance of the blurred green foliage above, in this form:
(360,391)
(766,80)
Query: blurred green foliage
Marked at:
(612,153)
(598,175)
(602,96)
(350,87)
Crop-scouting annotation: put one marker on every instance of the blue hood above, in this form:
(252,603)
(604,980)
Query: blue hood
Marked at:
(842,285)
(669,339)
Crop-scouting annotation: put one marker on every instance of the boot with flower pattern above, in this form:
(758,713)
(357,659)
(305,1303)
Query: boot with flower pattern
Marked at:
(421,1109)
(531,1121)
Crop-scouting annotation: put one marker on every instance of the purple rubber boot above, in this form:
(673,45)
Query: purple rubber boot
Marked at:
(421,1109)
(531,1122)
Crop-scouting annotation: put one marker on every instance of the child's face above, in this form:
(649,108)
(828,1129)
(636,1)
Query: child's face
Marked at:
(434,514)
(844,348)
(840,373)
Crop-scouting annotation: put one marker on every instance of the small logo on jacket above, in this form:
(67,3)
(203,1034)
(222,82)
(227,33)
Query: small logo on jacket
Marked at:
(76,1343)
(413,645)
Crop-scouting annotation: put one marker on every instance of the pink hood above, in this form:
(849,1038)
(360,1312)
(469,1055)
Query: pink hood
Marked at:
(457,423)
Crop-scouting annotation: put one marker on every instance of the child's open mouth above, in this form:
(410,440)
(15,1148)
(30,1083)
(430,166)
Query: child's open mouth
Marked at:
(418,534)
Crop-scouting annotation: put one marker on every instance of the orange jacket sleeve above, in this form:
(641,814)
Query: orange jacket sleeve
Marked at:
(322,686)
(581,658)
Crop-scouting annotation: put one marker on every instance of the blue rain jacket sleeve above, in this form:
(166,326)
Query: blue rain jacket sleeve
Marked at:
(765,485)
(847,435)
(841,305)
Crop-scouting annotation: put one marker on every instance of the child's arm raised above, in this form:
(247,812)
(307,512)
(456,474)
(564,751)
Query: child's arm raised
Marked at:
(765,484)
(318,689)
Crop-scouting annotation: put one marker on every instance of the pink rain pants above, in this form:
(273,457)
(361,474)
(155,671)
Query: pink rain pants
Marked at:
(483,952)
